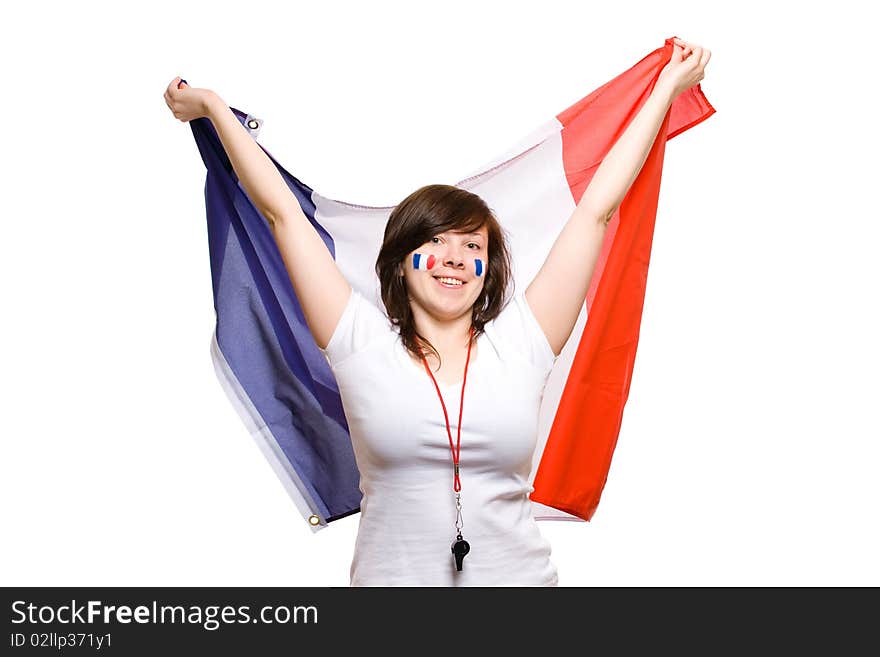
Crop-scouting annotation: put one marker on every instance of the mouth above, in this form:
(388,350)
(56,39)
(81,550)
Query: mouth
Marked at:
(450,283)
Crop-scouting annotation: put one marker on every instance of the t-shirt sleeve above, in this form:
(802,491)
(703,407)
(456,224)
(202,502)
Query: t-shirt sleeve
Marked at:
(361,324)
(518,327)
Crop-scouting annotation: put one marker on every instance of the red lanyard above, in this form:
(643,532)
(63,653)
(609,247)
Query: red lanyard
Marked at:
(460,547)
(456,450)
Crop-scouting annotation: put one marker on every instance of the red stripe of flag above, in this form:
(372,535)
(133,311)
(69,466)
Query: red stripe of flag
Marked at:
(577,456)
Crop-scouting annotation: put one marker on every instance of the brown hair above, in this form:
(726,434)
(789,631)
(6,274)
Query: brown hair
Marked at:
(426,212)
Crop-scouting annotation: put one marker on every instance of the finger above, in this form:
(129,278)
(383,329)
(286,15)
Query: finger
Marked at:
(704,59)
(176,84)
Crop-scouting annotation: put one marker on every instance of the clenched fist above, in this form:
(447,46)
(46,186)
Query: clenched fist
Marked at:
(685,68)
(185,102)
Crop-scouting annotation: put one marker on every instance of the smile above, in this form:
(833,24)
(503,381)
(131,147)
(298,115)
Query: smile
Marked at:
(449,283)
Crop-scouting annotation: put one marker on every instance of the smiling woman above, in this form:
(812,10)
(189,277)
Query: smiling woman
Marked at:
(400,431)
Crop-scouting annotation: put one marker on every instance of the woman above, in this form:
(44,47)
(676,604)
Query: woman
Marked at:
(443,271)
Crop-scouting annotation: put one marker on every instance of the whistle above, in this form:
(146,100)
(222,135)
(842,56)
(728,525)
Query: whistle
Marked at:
(459,549)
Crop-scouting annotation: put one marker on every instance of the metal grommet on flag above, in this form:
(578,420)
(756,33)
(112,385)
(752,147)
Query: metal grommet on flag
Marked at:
(314,520)
(253,125)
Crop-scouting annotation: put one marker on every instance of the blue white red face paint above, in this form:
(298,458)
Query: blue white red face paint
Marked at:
(423,262)
(426,262)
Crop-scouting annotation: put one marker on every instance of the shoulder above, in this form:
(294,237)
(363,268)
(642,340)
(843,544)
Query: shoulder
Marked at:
(517,328)
(361,325)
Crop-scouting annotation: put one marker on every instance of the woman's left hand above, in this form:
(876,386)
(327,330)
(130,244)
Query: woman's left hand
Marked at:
(685,68)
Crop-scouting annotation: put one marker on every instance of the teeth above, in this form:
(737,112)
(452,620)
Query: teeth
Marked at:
(449,281)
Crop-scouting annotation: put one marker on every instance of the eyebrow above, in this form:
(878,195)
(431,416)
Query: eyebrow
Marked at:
(459,232)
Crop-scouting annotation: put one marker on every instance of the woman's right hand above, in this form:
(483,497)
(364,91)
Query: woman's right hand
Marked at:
(185,102)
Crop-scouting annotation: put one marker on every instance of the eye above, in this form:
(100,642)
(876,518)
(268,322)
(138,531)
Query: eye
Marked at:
(474,244)
(434,238)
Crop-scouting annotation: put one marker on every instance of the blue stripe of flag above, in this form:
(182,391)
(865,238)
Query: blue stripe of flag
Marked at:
(262,333)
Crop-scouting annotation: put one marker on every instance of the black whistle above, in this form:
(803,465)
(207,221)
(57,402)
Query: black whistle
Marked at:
(460,548)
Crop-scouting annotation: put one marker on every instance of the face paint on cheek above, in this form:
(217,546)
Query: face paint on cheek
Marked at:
(422,262)
(479,267)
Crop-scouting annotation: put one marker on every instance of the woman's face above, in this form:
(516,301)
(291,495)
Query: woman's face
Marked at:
(460,255)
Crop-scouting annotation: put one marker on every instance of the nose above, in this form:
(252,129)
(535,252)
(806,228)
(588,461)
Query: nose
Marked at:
(453,256)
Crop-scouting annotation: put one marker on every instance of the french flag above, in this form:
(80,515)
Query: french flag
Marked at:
(281,385)
(423,262)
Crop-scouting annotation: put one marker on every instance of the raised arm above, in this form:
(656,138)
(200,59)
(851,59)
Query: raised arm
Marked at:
(558,290)
(320,286)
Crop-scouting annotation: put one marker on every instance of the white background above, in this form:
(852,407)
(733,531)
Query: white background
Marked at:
(749,448)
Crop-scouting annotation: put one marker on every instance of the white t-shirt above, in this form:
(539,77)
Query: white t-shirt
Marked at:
(401,447)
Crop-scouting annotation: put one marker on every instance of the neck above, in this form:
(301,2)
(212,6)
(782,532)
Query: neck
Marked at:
(445,335)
